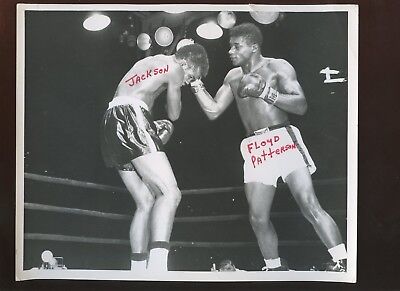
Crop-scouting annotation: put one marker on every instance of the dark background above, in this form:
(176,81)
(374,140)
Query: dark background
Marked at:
(378,164)
(71,74)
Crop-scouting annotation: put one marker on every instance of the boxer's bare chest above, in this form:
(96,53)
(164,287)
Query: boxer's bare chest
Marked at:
(269,74)
(254,112)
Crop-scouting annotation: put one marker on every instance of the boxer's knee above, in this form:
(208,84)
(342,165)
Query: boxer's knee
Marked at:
(172,194)
(145,203)
(258,220)
(312,210)
(175,195)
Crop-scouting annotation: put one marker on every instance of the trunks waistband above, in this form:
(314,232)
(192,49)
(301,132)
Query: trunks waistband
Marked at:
(269,128)
(126,100)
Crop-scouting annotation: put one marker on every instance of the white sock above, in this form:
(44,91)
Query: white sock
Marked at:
(138,265)
(338,252)
(138,261)
(158,259)
(273,263)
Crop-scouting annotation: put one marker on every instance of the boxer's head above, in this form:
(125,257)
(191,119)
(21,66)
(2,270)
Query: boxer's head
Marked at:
(245,40)
(194,62)
(226,266)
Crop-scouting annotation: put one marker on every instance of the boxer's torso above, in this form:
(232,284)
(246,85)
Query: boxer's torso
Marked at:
(255,112)
(148,78)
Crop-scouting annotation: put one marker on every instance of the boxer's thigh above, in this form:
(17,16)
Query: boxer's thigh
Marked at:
(155,169)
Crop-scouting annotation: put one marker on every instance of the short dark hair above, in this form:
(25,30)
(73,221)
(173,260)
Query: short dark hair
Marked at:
(249,31)
(196,55)
(226,265)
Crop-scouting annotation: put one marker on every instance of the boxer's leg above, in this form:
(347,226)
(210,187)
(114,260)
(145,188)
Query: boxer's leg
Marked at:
(301,187)
(260,197)
(139,230)
(155,169)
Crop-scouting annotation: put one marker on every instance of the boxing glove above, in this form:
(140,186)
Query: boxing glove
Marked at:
(165,129)
(253,85)
(196,85)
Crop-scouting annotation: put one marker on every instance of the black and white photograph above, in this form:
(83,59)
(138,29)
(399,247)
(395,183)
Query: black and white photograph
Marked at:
(187,142)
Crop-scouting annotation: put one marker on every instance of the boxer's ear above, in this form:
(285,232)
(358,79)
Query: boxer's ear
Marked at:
(186,64)
(255,48)
(183,63)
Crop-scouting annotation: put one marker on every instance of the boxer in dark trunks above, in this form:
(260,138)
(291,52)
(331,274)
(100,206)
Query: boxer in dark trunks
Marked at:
(133,143)
(266,91)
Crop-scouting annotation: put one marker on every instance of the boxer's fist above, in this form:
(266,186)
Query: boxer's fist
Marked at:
(252,85)
(165,129)
(196,85)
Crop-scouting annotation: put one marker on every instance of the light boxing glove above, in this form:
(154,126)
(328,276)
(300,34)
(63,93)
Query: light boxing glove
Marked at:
(196,85)
(253,85)
(165,128)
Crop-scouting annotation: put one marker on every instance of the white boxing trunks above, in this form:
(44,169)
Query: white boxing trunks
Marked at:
(270,154)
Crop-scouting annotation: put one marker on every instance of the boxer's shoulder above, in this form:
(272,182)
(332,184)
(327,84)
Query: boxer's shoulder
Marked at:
(156,61)
(279,64)
(234,74)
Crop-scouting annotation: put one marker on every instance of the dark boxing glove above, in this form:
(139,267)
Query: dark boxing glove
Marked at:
(253,85)
(165,128)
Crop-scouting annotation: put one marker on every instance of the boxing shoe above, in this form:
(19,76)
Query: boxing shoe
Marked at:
(283,267)
(332,266)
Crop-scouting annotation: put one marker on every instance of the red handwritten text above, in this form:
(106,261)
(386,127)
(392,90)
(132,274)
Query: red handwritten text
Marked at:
(263,143)
(136,79)
(259,159)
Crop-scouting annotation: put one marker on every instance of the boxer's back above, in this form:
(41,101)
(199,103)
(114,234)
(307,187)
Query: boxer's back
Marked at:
(147,78)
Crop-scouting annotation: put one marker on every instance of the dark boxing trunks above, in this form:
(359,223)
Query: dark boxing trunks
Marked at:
(128,131)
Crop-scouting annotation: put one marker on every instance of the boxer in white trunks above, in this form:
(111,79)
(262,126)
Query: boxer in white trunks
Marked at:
(266,91)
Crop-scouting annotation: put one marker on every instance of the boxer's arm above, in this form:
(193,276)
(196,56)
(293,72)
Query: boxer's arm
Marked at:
(174,102)
(291,96)
(214,107)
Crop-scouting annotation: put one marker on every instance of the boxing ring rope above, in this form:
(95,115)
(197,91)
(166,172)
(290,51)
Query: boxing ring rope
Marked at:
(114,216)
(211,218)
(89,185)
(95,240)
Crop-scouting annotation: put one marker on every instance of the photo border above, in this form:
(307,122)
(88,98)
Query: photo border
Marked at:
(352,162)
